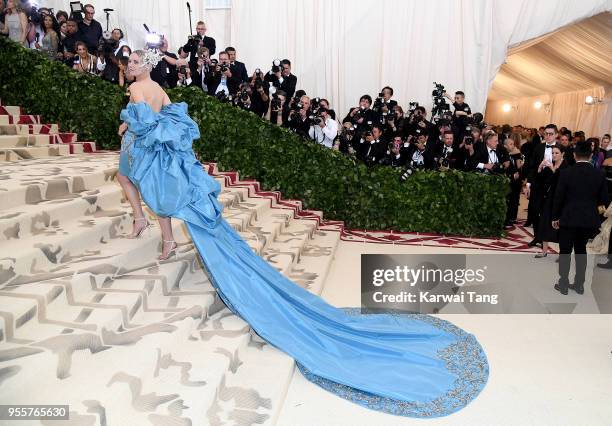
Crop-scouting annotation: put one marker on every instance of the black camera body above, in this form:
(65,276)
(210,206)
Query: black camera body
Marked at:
(276,103)
(223,68)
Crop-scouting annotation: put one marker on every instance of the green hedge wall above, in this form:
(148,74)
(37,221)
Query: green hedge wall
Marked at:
(450,202)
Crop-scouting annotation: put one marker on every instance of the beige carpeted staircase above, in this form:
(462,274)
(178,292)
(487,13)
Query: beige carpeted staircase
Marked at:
(91,319)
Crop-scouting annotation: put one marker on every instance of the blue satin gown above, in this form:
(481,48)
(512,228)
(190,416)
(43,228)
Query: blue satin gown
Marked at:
(408,365)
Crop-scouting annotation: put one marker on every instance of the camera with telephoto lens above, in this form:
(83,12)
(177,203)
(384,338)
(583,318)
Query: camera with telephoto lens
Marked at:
(106,46)
(276,103)
(412,106)
(445,163)
(223,68)
(349,132)
(221,96)
(194,39)
(380,103)
(296,105)
(408,171)
(316,119)
(182,69)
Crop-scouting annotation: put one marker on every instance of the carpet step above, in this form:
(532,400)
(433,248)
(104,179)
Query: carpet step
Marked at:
(57,178)
(82,147)
(20,119)
(26,220)
(29,129)
(10,110)
(18,141)
(29,153)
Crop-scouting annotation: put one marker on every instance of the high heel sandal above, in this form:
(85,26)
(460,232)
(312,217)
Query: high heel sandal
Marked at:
(141,230)
(172,251)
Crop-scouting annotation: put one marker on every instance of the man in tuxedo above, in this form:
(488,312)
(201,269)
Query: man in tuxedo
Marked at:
(222,79)
(193,44)
(535,187)
(286,81)
(416,153)
(362,115)
(373,149)
(238,68)
(447,155)
(580,192)
(492,158)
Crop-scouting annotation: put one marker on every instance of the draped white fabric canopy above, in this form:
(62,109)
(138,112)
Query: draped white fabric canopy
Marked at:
(558,71)
(341,49)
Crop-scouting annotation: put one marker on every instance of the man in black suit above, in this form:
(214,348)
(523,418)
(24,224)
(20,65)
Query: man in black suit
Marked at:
(238,68)
(492,157)
(222,79)
(286,81)
(580,191)
(201,40)
(90,30)
(535,187)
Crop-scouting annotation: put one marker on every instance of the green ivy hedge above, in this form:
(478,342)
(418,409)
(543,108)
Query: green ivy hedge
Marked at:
(450,202)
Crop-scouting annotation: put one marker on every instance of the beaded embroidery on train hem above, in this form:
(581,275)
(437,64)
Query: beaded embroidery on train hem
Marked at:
(465,358)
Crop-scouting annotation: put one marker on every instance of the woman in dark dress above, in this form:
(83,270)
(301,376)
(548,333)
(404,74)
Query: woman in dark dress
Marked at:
(549,172)
(515,174)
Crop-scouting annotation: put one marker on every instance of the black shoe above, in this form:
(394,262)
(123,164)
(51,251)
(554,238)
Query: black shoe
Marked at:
(607,265)
(577,289)
(562,290)
(534,243)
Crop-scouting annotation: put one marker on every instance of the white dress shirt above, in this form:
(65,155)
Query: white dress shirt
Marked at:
(326,135)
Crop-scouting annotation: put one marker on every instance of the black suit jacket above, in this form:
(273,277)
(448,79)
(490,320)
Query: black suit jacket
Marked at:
(482,156)
(581,188)
(192,48)
(537,155)
(240,70)
(233,84)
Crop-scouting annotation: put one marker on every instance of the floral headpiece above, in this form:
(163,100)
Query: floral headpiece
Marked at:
(151,58)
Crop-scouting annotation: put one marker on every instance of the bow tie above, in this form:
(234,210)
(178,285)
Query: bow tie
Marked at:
(550,146)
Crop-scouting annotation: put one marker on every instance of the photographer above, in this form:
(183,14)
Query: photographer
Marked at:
(461,113)
(346,139)
(416,120)
(383,103)
(197,41)
(277,111)
(394,157)
(90,30)
(493,159)
(298,120)
(237,67)
(243,98)
(448,155)
(72,37)
(280,76)
(362,115)
(204,68)
(222,79)
(417,155)
(259,98)
(184,77)
(108,56)
(324,129)
(371,149)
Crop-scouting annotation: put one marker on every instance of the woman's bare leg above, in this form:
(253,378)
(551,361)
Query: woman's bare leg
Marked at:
(168,244)
(134,198)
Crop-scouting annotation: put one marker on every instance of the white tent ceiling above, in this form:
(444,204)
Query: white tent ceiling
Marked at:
(576,57)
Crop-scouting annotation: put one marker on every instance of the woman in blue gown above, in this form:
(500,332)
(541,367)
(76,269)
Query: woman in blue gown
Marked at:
(410,365)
